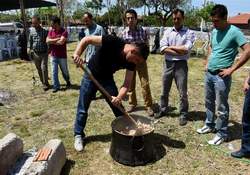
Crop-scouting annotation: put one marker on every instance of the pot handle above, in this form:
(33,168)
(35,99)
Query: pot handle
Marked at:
(137,144)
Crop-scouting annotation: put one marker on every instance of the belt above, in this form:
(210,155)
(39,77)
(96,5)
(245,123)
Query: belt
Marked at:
(174,61)
(215,72)
(40,52)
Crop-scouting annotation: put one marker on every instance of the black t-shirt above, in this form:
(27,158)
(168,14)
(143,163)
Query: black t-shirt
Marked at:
(109,58)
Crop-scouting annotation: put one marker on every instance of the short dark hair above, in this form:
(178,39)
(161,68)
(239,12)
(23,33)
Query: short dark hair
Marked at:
(219,10)
(36,17)
(132,11)
(55,20)
(175,11)
(88,14)
(143,50)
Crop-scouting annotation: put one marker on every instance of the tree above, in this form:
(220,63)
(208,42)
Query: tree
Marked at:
(191,19)
(163,8)
(95,5)
(204,13)
(9,17)
(114,11)
(45,13)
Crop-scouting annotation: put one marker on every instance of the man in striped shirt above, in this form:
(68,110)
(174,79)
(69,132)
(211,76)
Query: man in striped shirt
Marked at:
(38,49)
(136,34)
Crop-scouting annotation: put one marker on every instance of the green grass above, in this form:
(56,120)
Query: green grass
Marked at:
(39,116)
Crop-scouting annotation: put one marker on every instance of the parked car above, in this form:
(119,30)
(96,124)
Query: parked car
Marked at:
(11,27)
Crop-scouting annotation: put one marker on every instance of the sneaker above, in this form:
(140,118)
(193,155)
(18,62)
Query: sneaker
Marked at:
(78,143)
(150,111)
(131,108)
(204,130)
(217,140)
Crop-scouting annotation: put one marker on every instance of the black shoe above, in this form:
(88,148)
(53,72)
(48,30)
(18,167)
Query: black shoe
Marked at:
(45,87)
(239,154)
(55,90)
(182,121)
(68,85)
(160,114)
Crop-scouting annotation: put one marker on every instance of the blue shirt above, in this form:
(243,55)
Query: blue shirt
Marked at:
(97,30)
(225,44)
(172,37)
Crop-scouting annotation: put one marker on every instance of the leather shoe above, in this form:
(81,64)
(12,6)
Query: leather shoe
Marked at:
(68,85)
(131,108)
(182,121)
(239,154)
(45,87)
(55,90)
(150,111)
(160,114)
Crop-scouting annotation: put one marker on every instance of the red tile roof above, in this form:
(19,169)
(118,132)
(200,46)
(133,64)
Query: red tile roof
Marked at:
(240,19)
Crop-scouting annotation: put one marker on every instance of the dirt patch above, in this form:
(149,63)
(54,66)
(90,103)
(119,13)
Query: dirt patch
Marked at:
(6,97)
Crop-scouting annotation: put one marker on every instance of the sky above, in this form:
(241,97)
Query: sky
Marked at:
(233,6)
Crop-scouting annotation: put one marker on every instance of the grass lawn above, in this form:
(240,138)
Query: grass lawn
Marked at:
(39,116)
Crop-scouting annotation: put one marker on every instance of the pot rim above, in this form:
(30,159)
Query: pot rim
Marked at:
(136,135)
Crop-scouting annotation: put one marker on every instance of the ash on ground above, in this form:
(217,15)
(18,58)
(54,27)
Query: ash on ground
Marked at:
(6,97)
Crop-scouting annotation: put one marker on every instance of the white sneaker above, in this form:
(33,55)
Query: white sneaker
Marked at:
(204,130)
(217,140)
(78,143)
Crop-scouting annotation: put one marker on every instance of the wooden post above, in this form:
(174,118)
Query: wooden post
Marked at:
(24,19)
(23,16)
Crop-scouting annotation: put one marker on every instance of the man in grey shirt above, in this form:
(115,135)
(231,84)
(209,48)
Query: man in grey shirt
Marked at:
(38,49)
(91,29)
(176,45)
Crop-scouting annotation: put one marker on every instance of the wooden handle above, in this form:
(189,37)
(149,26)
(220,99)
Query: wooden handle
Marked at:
(99,86)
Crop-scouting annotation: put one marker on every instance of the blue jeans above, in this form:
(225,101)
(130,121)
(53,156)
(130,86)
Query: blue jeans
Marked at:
(87,92)
(217,89)
(62,63)
(245,143)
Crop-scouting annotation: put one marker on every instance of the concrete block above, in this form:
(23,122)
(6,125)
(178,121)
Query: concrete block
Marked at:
(11,148)
(54,164)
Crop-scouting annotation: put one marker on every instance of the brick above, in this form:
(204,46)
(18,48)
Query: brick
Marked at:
(11,148)
(54,164)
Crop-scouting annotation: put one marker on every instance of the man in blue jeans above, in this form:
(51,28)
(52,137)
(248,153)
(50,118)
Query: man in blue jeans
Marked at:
(225,41)
(245,142)
(112,56)
(57,38)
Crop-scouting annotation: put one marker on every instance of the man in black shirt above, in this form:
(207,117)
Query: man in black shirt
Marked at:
(112,55)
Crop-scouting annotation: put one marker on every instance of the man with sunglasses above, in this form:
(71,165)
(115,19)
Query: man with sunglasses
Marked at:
(225,41)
